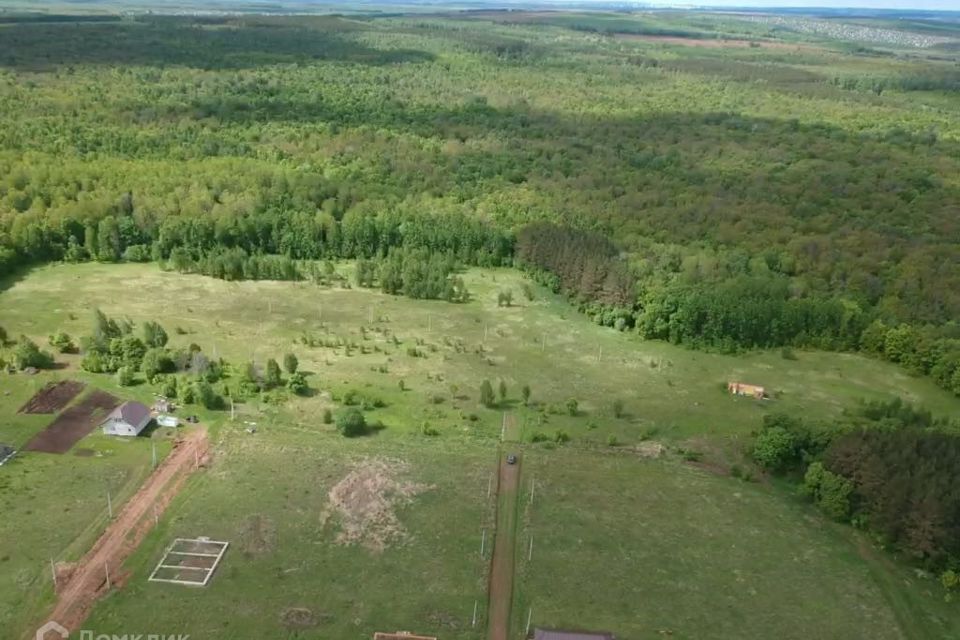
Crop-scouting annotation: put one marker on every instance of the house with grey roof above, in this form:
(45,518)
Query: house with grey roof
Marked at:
(129,419)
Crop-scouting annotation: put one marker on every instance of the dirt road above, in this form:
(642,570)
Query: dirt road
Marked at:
(89,578)
(502,564)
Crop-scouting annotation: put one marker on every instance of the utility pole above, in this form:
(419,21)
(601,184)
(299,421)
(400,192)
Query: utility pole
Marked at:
(109,504)
(53,573)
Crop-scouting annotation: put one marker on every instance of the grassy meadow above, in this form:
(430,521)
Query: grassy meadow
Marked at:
(426,580)
(691,554)
(269,492)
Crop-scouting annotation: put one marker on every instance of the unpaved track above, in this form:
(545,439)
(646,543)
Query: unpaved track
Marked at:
(124,534)
(502,564)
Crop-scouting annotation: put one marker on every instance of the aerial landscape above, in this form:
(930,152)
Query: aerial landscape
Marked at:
(432,321)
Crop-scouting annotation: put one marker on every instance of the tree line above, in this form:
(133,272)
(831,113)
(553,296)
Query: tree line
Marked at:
(886,467)
(741,306)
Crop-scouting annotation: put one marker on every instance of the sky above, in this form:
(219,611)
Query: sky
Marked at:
(942,5)
(929,5)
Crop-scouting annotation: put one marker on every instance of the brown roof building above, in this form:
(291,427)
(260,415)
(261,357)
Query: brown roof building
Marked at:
(752,390)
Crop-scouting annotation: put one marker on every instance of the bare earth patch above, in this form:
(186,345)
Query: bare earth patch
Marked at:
(258,536)
(649,449)
(366,500)
(298,618)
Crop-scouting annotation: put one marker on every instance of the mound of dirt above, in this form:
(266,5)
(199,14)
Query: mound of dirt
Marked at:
(294,618)
(366,500)
(258,536)
(649,449)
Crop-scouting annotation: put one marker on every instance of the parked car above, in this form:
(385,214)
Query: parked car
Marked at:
(511,459)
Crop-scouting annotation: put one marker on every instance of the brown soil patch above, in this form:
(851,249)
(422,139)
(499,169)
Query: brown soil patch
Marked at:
(73,424)
(258,536)
(649,449)
(366,500)
(53,397)
(121,538)
(294,618)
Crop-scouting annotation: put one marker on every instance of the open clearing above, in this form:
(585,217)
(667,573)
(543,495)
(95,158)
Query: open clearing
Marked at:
(426,581)
(342,538)
(73,424)
(689,554)
(53,397)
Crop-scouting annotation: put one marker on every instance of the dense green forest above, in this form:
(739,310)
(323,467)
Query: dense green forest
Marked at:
(885,468)
(759,187)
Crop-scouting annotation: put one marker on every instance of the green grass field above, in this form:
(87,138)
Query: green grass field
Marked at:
(689,554)
(683,550)
(426,581)
(55,506)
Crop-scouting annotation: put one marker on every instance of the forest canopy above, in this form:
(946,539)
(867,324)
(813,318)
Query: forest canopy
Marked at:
(721,197)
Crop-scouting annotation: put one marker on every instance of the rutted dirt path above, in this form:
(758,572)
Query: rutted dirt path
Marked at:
(502,564)
(88,580)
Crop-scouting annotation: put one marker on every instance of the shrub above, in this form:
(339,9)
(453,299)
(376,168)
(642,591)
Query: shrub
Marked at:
(327,416)
(125,376)
(272,376)
(572,406)
(486,394)
(92,362)
(561,437)
(351,423)
(612,441)
(539,436)
(154,335)
(62,342)
(156,361)
(206,396)
(427,430)
(188,394)
(774,447)
(829,490)
(617,408)
(290,363)
(297,384)
(28,354)
(169,388)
